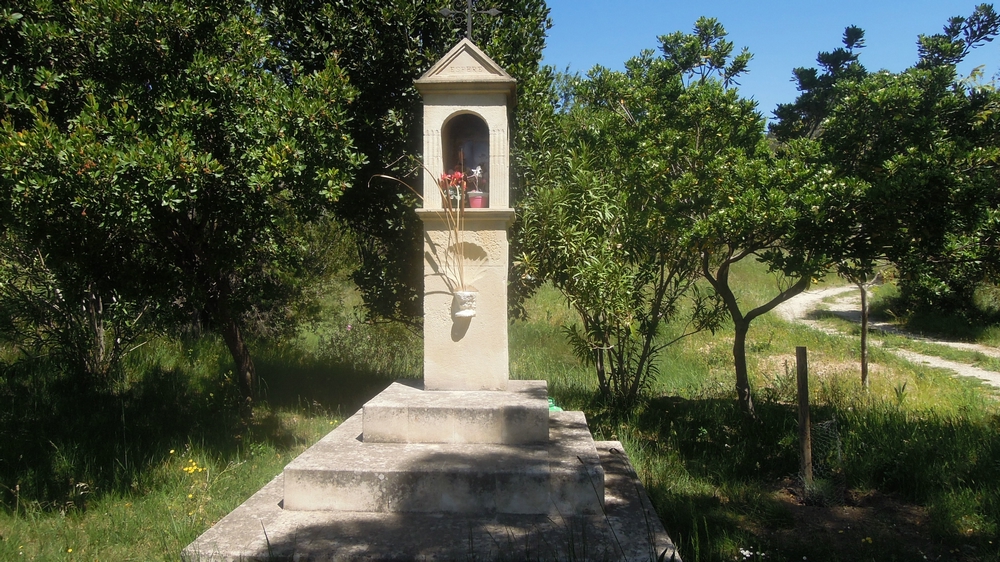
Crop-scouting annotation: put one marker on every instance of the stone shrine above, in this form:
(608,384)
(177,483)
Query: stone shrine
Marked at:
(468,464)
(467,100)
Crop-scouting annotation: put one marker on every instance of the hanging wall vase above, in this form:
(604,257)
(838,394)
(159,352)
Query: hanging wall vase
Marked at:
(463,305)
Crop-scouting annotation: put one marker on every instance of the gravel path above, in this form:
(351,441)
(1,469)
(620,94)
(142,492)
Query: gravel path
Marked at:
(848,306)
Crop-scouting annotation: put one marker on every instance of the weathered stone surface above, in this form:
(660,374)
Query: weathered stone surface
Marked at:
(466,64)
(405,413)
(576,477)
(472,466)
(466,93)
(261,530)
(466,353)
(343,472)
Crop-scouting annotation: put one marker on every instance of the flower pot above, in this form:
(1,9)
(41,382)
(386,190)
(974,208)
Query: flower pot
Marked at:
(477,200)
(463,304)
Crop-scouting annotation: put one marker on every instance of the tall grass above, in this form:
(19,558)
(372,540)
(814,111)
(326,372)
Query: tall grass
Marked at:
(979,323)
(138,469)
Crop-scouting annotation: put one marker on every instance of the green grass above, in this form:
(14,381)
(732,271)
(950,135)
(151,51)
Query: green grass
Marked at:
(137,469)
(919,435)
(92,470)
(177,495)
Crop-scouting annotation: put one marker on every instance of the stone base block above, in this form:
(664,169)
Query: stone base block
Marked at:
(405,413)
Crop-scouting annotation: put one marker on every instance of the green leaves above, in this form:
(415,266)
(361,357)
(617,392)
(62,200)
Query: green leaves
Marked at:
(682,170)
(159,151)
(683,186)
(704,53)
(382,46)
(960,36)
(587,237)
(915,153)
(804,117)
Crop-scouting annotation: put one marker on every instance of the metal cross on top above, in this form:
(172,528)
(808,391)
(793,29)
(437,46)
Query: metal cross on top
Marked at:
(468,16)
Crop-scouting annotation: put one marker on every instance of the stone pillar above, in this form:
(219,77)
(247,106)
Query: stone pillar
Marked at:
(467,100)
(466,352)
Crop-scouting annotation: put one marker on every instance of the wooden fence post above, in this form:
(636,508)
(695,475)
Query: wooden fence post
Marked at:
(805,439)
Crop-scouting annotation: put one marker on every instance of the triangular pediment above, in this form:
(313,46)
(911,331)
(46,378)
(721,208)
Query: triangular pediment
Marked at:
(465,64)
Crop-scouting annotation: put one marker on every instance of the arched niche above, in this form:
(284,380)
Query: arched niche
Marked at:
(465,147)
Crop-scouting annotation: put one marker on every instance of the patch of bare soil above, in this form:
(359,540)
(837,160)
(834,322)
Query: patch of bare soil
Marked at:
(818,366)
(865,526)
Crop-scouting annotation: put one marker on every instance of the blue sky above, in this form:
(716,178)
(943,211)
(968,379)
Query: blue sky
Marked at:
(781,34)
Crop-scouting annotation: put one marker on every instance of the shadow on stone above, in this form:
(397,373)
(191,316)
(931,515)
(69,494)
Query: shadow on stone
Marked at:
(260,529)
(460,327)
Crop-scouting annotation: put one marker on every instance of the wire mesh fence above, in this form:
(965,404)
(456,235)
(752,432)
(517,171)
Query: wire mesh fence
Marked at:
(829,483)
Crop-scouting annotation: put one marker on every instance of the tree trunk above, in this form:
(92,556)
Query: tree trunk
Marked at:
(602,380)
(864,335)
(94,307)
(246,374)
(740,361)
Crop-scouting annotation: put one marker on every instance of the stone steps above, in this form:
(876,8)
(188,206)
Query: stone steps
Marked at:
(351,497)
(260,530)
(346,472)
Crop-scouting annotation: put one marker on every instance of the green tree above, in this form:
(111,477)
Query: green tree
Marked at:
(167,153)
(760,207)
(384,46)
(745,202)
(857,251)
(804,117)
(605,227)
(684,185)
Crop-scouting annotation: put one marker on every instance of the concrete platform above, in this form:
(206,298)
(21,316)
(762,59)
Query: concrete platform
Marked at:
(345,472)
(261,530)
(405,413)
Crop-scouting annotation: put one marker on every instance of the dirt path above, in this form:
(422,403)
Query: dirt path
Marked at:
(797,308)
(848,306)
